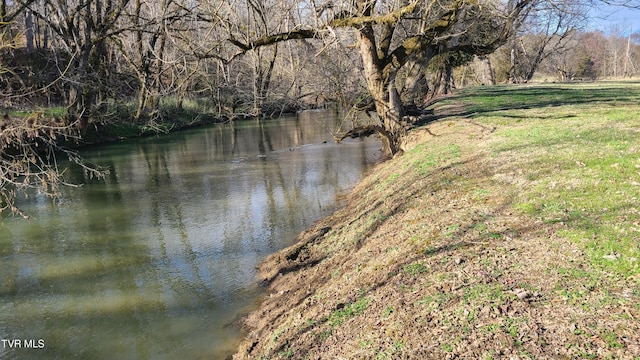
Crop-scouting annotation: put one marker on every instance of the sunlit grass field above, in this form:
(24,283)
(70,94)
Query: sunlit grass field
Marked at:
(577,153)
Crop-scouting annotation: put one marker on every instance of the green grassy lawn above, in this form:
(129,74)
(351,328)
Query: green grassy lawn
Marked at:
(115,121)
(576,148)
(44,111)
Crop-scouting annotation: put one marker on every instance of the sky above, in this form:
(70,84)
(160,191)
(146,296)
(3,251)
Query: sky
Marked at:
(605,16)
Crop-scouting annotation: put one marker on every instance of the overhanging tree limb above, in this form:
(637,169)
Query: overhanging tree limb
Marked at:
(429,28)
(350,21)
(272,39)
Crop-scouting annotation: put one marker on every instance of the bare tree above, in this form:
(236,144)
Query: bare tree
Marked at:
(547,30)
(147,43)
(390,35)
(83,26)
(29,151)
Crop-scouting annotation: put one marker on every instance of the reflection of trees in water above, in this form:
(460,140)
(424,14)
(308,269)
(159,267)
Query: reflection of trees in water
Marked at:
(166,186)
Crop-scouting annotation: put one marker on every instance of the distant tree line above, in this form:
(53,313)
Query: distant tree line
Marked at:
(103,59)
(110,59)
(577,56)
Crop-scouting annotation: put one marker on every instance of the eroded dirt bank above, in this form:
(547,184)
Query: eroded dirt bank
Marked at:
(430,260)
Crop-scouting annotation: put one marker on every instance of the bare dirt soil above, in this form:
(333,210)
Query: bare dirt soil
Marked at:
(429,259)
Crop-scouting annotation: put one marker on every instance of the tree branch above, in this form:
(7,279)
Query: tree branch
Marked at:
(272,39)
(350,21)
(423,41)
(386,19)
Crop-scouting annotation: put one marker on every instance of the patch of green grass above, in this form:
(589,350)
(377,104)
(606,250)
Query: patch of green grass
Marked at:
(363,344)
(435,301)
(611,339)
(480,194)
(451,230)
(324,335)
(433,250)
(391,351)
(511,328)
(468,316)
(388,182)
(587,355)
(415,269)
(525,354)
(343,314)
(393,177)
(490,328)
(286,354)
(484,294)
(377,218)
(398,345)
(543,99)
(579,162)
(58,111)
(425,159)
(480,226)
(277,335)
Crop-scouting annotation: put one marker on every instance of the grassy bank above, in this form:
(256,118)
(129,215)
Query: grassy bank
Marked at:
(510,230)
(116,121)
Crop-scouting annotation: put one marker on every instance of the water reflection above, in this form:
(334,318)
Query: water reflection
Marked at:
(153,261)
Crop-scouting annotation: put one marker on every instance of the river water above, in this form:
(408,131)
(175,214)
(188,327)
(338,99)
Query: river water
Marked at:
(158,260)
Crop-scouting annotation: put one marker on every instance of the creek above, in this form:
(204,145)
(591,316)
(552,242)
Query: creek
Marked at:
(157,260)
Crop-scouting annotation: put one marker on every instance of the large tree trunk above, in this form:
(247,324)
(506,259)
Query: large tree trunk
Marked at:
(385,96)
(490,75)
(29,30)
(416,86)
(444,81)
(262,79)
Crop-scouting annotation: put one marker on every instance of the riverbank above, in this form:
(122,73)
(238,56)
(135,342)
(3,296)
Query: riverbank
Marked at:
(103,133)
(116,123)
(509,230)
